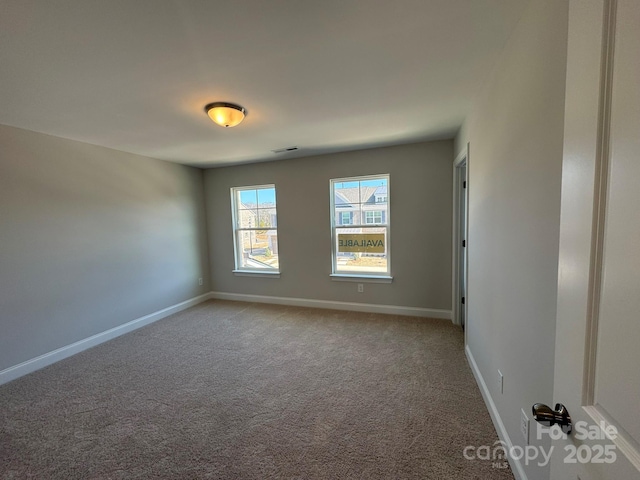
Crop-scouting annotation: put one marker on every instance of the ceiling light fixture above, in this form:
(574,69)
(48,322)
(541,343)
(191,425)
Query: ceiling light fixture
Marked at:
(225,114)
(284,150)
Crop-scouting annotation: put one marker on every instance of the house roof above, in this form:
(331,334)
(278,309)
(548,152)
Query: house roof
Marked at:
(352,196)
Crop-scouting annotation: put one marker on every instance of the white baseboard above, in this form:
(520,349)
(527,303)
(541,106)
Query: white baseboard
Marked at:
(516,466)
(333,305)
(28,366)
(47,359)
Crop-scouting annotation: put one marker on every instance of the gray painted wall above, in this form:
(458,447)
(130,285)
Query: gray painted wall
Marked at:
(90,238)
(421,192)
(516,135)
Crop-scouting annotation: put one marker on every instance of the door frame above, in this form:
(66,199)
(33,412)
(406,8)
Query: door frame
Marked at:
(461,160)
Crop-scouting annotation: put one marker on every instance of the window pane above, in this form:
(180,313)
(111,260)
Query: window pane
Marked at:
(367,194)
(266,197)
(375,182)
(258,249)
(362,252)
(347,184)
(247,199)
(247,218)
(372,190)
(347,197)
(246,240)
(267,218)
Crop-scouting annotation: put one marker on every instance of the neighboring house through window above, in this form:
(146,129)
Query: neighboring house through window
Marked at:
(345,218)
(360,226)
(255,228)
(373,217)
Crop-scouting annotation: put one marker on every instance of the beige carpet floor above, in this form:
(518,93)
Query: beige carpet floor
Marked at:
(232,390)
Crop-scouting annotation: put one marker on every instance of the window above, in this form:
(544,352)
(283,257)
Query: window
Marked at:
(373,217)
(255,228)
(345,218)
(360,226)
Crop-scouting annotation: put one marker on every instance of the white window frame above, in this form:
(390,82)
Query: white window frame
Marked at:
(365,277)
(342,214)
(239,269)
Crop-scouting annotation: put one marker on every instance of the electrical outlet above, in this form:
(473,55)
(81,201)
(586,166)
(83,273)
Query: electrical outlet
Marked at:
(524,426)
(500,381)
(200,281)
(360,288)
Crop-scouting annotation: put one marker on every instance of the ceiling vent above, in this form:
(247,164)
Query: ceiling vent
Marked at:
(284,150)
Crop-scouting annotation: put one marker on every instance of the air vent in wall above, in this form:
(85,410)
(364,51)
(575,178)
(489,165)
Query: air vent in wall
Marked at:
(283,150)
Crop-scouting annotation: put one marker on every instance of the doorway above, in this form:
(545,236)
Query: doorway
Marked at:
(460,231)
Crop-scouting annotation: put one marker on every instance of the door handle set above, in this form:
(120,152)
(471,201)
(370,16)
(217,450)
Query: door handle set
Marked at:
(544,415)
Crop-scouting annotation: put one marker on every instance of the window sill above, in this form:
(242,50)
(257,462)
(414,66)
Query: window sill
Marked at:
(253,273)
(342,277)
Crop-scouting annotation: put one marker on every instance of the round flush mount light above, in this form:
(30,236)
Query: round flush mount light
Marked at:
(225,114)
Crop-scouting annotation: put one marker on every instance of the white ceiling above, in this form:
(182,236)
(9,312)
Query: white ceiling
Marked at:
(323,75)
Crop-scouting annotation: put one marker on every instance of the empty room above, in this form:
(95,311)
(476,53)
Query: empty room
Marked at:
(352,239)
